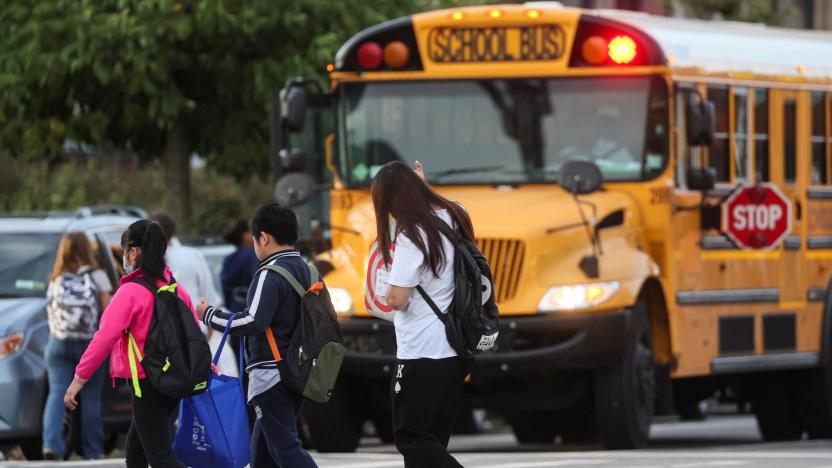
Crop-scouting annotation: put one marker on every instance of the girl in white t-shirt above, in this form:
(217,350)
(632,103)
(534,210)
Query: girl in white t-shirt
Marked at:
(427,384)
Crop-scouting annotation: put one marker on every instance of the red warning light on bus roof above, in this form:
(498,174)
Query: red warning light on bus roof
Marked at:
(369,55)
(622,49)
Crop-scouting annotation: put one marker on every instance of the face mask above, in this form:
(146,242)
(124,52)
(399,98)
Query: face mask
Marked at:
(127,268)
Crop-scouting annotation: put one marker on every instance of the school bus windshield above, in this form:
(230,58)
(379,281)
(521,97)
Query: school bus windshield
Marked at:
(505,131)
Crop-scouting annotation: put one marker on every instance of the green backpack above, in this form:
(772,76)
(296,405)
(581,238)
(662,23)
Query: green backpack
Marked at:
(316,348)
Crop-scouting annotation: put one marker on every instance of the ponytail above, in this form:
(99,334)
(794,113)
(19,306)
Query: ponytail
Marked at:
(150,237)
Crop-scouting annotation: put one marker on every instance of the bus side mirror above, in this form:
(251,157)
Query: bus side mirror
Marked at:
(293,108)
(292,159)
(580,177)
(700,178)
(294,189)
(701,119)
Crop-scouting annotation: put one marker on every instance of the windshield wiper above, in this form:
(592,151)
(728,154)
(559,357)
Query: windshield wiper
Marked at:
(463,170)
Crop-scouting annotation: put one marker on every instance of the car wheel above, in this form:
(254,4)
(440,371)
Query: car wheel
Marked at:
(32,448)
(625,392)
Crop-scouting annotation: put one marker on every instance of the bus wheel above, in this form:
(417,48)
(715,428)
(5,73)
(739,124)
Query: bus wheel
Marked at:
(533,427)
(333,426)
(775,407)
(625,392)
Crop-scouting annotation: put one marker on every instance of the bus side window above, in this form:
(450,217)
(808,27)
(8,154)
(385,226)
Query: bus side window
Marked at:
(789,141)
(761,164)
(740,133)
(719,157)
(820,163)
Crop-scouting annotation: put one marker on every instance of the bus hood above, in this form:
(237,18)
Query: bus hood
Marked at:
(513,213)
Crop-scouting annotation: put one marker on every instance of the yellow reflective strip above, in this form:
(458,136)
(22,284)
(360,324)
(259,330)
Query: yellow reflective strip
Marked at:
(166,366)
(134,370)
(135,346)
(171,288)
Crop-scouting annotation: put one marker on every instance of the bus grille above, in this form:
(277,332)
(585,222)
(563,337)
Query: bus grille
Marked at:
(505,256)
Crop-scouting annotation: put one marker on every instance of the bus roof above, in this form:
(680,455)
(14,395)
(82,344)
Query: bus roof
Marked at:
(730,47)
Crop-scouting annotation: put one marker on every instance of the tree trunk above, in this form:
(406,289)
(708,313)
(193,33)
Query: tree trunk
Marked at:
(177,165)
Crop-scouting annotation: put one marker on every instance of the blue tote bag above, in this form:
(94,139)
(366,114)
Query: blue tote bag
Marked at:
(213,426)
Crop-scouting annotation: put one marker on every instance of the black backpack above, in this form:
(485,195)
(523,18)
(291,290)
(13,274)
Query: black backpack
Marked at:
(471,324)
(177,359)
(316,348)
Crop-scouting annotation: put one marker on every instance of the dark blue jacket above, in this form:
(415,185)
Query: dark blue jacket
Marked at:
(236,275)
(271,302)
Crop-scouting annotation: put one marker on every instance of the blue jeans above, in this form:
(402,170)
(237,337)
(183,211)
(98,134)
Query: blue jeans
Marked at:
(61,359)
(275,441)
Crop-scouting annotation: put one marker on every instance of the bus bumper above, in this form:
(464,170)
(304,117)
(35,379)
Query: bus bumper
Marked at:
(532,344)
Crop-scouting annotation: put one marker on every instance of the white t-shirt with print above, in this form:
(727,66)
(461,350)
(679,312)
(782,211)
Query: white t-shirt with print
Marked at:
(419,332)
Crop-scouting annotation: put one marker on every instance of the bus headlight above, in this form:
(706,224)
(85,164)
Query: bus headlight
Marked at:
(579,296)
(341,300)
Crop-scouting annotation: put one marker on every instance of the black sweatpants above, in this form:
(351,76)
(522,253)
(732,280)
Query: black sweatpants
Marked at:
(149,439)
(426,394)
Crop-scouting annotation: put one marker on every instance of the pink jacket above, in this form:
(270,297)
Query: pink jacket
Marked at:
(131,309)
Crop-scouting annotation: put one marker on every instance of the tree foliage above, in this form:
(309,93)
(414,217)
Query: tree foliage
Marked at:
(164,78)
(754,11)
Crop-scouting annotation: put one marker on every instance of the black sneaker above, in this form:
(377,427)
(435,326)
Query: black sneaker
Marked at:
(49,455)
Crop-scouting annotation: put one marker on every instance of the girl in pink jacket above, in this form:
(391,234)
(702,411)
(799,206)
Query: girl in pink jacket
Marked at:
(149,440)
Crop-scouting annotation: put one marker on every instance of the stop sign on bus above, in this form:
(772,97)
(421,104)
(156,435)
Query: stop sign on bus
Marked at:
(757,216)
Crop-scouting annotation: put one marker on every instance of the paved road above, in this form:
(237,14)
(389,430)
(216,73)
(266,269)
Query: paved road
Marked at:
(724,441)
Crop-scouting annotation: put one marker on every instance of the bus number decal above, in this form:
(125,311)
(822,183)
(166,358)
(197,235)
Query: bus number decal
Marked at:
(659,195)
(341,201)
(461,45)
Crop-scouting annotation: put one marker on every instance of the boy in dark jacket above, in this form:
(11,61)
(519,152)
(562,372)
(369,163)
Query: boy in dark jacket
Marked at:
(272,303)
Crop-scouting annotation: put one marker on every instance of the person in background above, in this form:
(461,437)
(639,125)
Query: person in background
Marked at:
(429,376)
(149,440)
(238,268)
(77,294)
(271,303)
(191,270)
(188,265)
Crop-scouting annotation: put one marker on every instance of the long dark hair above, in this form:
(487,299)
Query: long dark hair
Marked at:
(399,192)
(150,237)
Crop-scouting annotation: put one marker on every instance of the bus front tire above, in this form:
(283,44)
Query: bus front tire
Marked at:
(625,392)
(533,427)
(775,407)
(333,426)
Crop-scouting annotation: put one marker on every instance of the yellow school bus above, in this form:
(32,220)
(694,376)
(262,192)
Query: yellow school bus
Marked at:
(625,298)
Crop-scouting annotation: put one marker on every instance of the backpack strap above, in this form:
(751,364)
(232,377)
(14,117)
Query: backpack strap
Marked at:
(134,352)
(287,276)
(433,306)
(273,344)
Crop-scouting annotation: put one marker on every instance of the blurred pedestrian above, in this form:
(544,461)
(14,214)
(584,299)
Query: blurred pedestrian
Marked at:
(238,268)
(191,270)
(429,375)
(77,294)
(149,439)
